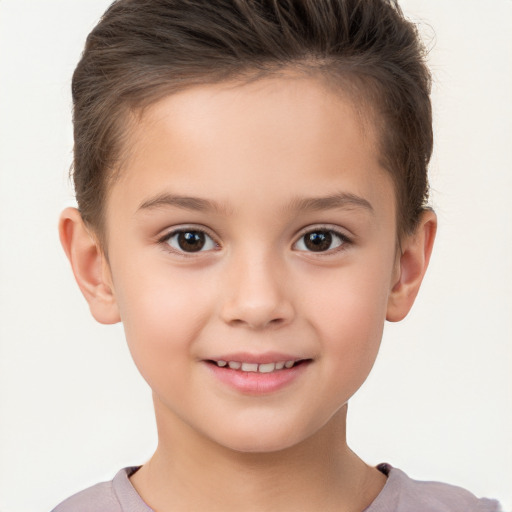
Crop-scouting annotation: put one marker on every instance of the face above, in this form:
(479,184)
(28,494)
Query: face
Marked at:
(252,248)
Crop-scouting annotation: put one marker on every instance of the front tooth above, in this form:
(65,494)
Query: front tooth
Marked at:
(234,365)
(249,367)
(266,368)
(280,366)
(289,364)
(221,363)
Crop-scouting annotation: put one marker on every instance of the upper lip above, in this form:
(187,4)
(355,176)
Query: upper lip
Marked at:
(263,358)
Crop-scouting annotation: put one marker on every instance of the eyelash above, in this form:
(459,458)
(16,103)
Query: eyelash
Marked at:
(343,239)
(165,241)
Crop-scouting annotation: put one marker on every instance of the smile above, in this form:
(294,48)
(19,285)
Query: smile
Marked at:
(257,367)
(255,375)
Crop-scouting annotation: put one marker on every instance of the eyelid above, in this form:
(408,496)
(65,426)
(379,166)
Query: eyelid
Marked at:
(336,230)
(174,230)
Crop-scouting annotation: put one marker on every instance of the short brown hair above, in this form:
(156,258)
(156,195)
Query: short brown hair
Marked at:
(142,50)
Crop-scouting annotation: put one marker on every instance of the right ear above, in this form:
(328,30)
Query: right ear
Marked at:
(90,267)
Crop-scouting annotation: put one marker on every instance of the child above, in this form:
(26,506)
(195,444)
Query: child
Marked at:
(251,182)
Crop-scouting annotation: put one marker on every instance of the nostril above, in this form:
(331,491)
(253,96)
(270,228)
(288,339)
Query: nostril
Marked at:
(257,310)
(257,323)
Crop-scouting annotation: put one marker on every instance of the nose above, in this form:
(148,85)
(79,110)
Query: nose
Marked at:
(256,294)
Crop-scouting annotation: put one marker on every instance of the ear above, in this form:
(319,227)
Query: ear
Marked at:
(90,266)
(411,267)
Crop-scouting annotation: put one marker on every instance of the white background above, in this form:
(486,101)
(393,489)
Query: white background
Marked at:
(73,409)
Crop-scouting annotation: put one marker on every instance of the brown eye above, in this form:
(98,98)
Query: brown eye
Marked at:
(190,241)
(320,240)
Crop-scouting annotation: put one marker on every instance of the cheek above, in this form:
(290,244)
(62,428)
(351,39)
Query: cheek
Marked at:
(162,314)
(355,297)
(348,313)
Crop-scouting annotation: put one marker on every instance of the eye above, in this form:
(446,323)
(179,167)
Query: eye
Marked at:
(320,240)
(190,240)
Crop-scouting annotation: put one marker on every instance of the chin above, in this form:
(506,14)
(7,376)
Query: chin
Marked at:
(268,440)
(259,446)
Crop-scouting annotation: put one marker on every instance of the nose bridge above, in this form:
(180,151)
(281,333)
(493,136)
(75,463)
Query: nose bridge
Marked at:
(255,291)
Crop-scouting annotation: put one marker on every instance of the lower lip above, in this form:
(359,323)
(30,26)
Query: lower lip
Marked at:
(256,383)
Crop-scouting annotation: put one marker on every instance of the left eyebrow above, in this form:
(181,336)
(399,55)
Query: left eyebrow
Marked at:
(183,202)
(341,200)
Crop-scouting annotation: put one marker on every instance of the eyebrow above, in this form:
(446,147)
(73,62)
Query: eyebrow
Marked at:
(184,202)
(339,200)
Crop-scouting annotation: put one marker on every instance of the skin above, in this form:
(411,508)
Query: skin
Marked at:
(261,158)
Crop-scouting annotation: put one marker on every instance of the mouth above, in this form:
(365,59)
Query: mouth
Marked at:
(258,375)
(251,367)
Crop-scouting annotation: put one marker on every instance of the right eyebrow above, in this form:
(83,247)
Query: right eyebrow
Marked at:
(340,200)
(184,202)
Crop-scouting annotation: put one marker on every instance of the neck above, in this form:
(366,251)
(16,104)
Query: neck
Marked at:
(190,472)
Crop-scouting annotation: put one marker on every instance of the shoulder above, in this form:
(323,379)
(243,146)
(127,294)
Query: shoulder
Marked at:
(98,497)
(403,494)
(117,495)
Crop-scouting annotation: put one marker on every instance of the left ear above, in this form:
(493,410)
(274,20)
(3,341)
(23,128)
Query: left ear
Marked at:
(91,270)
(412,265)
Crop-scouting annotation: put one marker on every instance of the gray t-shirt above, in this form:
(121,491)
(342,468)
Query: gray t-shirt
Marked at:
(400,494)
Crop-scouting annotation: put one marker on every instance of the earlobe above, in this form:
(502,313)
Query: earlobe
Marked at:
(89,266)
(412,265)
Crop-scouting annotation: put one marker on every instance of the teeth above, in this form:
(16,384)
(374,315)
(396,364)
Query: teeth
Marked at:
(266,368)
(249,367)
(255,367)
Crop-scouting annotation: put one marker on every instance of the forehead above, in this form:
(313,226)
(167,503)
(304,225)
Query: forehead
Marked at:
(282,104)
(274,136)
